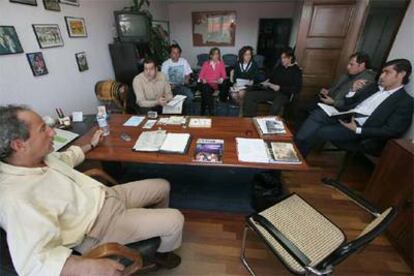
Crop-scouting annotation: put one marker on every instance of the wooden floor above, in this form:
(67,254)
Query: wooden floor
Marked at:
(212,241)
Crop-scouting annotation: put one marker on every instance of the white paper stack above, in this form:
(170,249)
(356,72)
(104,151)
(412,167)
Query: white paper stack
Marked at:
(252,150)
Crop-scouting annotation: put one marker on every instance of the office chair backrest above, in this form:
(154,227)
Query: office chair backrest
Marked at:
(110,91)
(370,232)
(259,59)
(201,58)
(230,59)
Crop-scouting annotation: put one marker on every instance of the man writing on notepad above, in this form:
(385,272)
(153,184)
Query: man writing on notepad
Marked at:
(151,88)
(387,109)
(49,209)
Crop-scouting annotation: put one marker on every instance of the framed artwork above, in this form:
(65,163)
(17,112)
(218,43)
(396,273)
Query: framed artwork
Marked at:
(70,2)
(163,28)
(37,63)
(82,62)
(48,35)
(26,2)
(76,26)
(214,28)
(9,41)
(51,5)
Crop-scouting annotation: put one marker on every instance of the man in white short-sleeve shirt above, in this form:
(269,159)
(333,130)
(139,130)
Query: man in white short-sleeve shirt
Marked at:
(178,71)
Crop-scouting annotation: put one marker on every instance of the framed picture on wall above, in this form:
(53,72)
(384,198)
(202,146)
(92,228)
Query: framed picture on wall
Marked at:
(51,5)
(214,28)
(76,26)
(81,61)
(37,63)
(9,41)
(70,2)
(162,27)
(48,35)
(27,2)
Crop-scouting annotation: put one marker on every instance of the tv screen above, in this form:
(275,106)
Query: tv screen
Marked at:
(133,27)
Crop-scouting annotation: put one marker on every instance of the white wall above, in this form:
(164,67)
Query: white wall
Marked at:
(403,47)
(247,20)
(64,86)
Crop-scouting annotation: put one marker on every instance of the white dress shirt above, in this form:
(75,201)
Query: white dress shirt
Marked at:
(369,105)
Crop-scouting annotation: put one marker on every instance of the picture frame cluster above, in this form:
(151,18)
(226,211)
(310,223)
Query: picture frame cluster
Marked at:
(47,36)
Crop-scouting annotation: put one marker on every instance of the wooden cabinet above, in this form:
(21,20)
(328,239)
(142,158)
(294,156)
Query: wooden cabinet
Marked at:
(392,183)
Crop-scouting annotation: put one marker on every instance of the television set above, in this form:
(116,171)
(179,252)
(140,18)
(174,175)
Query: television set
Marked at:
(134,27)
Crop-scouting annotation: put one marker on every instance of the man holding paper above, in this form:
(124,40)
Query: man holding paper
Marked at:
(178,72)
(151,88)
(378,113)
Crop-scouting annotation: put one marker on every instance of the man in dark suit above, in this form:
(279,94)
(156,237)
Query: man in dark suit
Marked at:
(388,113)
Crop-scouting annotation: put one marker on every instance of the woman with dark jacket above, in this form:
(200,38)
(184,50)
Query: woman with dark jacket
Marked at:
(245,72)
(285,81)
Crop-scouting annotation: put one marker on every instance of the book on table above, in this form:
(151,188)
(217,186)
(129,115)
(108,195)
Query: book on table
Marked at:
(161,141)
(209,150)
(256,150)
(269,125)
(333,112)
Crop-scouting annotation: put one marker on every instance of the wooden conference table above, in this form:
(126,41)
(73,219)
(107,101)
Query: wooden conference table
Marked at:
(113,148)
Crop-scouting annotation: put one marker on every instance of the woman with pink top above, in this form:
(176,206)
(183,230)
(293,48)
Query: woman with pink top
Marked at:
(211,77)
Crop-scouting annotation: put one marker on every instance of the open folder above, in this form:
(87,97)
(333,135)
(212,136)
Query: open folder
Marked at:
(161,141)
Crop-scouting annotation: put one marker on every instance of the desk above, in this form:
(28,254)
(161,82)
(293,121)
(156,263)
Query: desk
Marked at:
(113,148)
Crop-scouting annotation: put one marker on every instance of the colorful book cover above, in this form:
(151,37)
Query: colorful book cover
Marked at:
(209,150)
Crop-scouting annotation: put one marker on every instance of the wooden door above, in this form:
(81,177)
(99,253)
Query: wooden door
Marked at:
(327,36)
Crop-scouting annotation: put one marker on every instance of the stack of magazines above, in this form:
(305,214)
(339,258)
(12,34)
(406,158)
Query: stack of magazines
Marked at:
(269,125)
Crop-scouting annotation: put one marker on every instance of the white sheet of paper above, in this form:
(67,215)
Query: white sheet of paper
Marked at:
(252,150)
(134,121)
(175,142)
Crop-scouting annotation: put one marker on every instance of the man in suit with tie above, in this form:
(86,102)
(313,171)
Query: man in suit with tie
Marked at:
(387,109)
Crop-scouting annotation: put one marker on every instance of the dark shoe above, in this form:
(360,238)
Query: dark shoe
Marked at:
(167,260)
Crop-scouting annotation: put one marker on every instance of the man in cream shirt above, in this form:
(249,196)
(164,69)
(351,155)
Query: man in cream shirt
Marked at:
(151,88)
(47,208)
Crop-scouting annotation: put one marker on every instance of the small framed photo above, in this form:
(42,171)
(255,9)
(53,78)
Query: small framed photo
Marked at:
(26,2)
(70,2)
(48,35)
(82,62)
(76,26)
(37,63)
(51,5)
(9,41)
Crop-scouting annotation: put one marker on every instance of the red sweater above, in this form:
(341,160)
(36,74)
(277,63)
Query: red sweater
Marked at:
(212,75)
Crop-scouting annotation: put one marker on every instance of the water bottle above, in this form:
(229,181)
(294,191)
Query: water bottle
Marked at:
(103,123)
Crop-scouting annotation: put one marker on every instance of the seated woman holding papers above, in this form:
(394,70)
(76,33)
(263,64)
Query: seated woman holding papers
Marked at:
(244,73)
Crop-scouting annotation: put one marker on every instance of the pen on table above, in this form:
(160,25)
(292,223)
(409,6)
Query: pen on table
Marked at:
(57,111)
